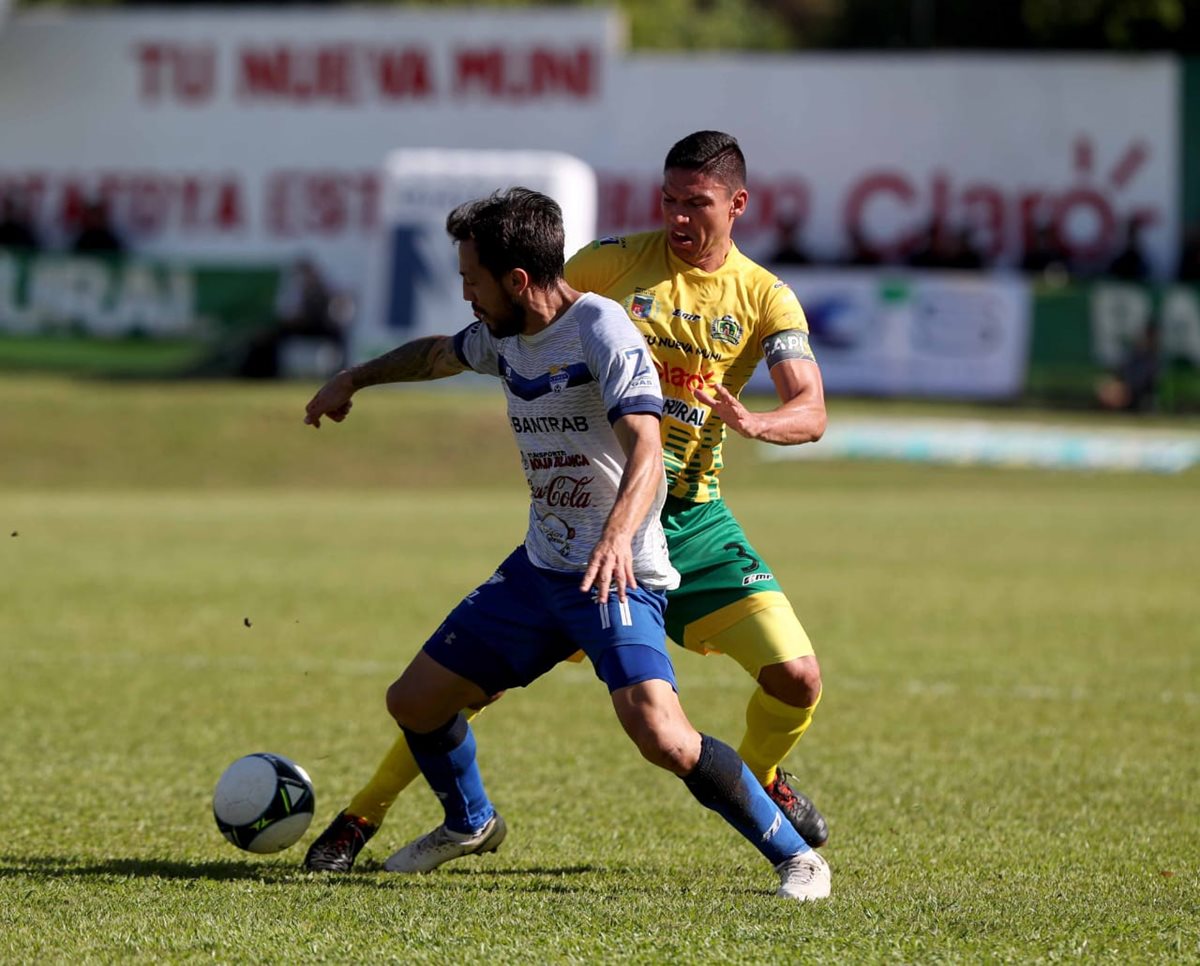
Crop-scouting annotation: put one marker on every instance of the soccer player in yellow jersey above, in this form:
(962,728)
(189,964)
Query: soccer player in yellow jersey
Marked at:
(709,315)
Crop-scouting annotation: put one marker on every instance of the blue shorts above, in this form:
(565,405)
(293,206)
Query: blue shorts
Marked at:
(514,627)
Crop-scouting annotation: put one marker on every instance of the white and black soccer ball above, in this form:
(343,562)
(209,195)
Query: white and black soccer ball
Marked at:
(263,803)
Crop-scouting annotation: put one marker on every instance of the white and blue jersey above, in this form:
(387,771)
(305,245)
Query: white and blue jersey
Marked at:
(565,387)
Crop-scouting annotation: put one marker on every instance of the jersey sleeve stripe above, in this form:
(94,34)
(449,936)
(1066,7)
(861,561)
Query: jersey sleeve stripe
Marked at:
(651,405)
(459,338)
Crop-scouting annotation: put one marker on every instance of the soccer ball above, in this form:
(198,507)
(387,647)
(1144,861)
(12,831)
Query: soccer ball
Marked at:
(263,803)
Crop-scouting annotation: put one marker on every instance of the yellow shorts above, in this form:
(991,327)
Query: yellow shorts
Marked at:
(755,631)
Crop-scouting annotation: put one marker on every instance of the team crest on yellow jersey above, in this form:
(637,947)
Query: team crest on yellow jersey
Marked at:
(726,329)
(642,306)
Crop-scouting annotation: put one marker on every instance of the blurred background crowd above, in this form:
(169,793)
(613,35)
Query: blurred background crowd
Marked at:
(292,184)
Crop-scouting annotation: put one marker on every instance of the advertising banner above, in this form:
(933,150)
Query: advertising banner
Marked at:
(261,134)
(879,150)
(914,334)
(129,315)
(1084,332)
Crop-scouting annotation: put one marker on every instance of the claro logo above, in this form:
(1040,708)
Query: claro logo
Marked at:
(892,210)
(678,376)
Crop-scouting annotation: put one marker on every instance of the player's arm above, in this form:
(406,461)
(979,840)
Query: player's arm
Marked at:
(800,416)
(432,357)
(611,560)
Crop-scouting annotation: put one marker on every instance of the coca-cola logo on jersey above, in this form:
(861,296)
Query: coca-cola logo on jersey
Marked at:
(565,491)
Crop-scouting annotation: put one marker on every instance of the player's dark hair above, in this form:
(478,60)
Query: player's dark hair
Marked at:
(517,228)
(713,153)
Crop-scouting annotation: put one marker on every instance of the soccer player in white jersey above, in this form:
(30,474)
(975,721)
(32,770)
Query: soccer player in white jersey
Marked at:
(592,574)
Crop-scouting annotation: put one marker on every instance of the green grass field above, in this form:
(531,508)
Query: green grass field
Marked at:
(1008,750)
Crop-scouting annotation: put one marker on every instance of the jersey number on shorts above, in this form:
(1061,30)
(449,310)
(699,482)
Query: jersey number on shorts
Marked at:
(745,554)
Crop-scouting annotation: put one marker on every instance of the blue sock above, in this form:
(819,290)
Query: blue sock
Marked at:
(721,781)
(446,757)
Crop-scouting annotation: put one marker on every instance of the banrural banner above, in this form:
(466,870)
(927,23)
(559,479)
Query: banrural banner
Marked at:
(130,315)
(1083,331)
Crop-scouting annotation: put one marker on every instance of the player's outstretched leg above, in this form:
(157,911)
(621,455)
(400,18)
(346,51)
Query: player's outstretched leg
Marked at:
(773,728)
(772,646)
(472,825)
(336,849)
(720,781)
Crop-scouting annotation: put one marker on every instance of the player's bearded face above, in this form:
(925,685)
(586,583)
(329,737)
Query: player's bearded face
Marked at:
(504,320)
(698,215)
(492,305)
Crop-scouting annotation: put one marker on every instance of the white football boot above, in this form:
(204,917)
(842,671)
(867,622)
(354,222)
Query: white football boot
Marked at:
(804,877)
(441,845)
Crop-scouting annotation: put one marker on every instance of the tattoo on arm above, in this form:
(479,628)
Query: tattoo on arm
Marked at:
(432,357)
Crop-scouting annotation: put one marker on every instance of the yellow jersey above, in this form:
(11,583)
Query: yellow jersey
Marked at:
(703,328)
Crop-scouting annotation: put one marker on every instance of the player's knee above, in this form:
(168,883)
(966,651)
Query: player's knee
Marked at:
(405,707)
(663,740)
(671,751)
(796,682)
(808,678)
(651,715)
(396,703)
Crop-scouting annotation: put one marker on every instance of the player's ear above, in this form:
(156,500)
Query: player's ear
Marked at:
(516,282)
(737,203)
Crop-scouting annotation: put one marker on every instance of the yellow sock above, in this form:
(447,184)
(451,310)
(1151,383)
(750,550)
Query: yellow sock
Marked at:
(772,730)
(394,774)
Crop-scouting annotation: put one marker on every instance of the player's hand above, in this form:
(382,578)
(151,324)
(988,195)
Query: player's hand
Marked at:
(332,400)
(736,416)
(611,563)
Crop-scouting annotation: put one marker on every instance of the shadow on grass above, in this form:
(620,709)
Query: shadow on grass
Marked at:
(54,866)
(452,883)
(62,867)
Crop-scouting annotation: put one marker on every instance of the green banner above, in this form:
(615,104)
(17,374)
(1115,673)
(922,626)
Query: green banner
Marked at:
(1084,334)
(1189,160)
(129,316)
